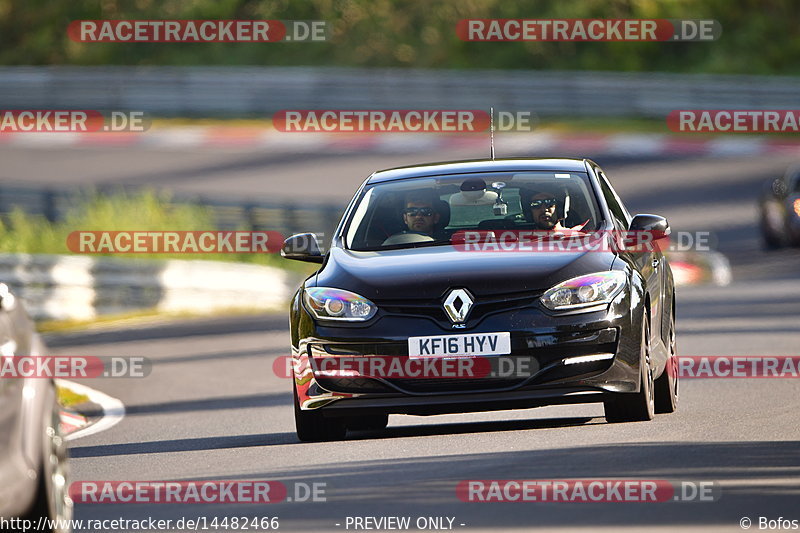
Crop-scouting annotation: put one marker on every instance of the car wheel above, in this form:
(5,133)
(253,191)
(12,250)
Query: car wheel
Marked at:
(772,227)
(368,423)
(667,383)
(771,241)
(638,406)
(52,498)
(311,426)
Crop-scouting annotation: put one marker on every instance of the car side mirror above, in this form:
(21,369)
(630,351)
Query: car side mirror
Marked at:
(302,247)
(655,225)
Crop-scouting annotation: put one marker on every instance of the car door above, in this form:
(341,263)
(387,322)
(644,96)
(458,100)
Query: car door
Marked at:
(649,263)
(11,471)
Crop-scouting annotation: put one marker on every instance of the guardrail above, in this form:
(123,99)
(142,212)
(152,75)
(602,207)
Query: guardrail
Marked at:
(82,288)
(249,91)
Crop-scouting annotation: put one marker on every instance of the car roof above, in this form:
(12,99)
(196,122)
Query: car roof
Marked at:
(479,165)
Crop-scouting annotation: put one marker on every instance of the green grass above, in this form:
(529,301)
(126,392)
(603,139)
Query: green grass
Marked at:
(564,125)
(142,317)
(603,125)
(67,397)
(632,125)
(21,232)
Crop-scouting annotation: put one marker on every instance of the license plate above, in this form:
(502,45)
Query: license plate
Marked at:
(465,345)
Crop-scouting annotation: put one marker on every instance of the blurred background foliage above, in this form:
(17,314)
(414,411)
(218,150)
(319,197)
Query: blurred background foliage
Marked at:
(146,210)
(413,33)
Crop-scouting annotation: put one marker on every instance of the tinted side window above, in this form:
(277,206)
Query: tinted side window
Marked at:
(621,216)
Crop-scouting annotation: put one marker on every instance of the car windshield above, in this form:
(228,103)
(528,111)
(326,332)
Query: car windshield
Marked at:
(429,211)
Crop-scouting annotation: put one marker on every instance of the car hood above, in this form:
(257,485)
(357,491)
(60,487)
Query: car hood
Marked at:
(431,271)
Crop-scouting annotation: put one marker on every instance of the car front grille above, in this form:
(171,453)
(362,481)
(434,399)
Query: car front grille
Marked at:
(482,307)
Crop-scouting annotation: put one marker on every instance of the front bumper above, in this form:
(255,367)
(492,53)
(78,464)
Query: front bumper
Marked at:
(548,342)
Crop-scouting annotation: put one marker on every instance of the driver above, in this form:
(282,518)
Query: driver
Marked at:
(544,213)
(419,214)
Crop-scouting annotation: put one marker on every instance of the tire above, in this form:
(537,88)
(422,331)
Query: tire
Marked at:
(52,495)
(635,406)
(666,386)
(772,228)
(368,423)
(771,241)
(311,426)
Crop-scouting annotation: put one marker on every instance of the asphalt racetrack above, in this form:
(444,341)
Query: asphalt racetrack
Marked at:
(213,409)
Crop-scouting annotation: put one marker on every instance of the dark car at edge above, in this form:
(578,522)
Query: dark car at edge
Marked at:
(34,463)
(779,210)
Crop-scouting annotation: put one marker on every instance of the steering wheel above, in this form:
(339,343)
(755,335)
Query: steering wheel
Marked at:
(407,237)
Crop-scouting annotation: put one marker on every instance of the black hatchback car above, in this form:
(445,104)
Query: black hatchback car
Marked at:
(482,285)
(779,209)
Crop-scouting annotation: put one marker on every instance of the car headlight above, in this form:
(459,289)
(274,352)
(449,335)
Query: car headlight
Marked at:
(337,304)
(590,290)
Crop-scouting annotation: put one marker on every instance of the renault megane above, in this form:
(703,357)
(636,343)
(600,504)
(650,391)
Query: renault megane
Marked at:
(469,268)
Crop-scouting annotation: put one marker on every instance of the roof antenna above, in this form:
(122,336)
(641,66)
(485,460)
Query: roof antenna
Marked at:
(491,131)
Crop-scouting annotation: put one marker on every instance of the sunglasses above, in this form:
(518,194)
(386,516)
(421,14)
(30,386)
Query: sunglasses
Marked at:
(547,202)
(417,211)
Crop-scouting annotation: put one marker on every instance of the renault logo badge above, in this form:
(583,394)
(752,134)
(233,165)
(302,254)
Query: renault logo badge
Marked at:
(457,305)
